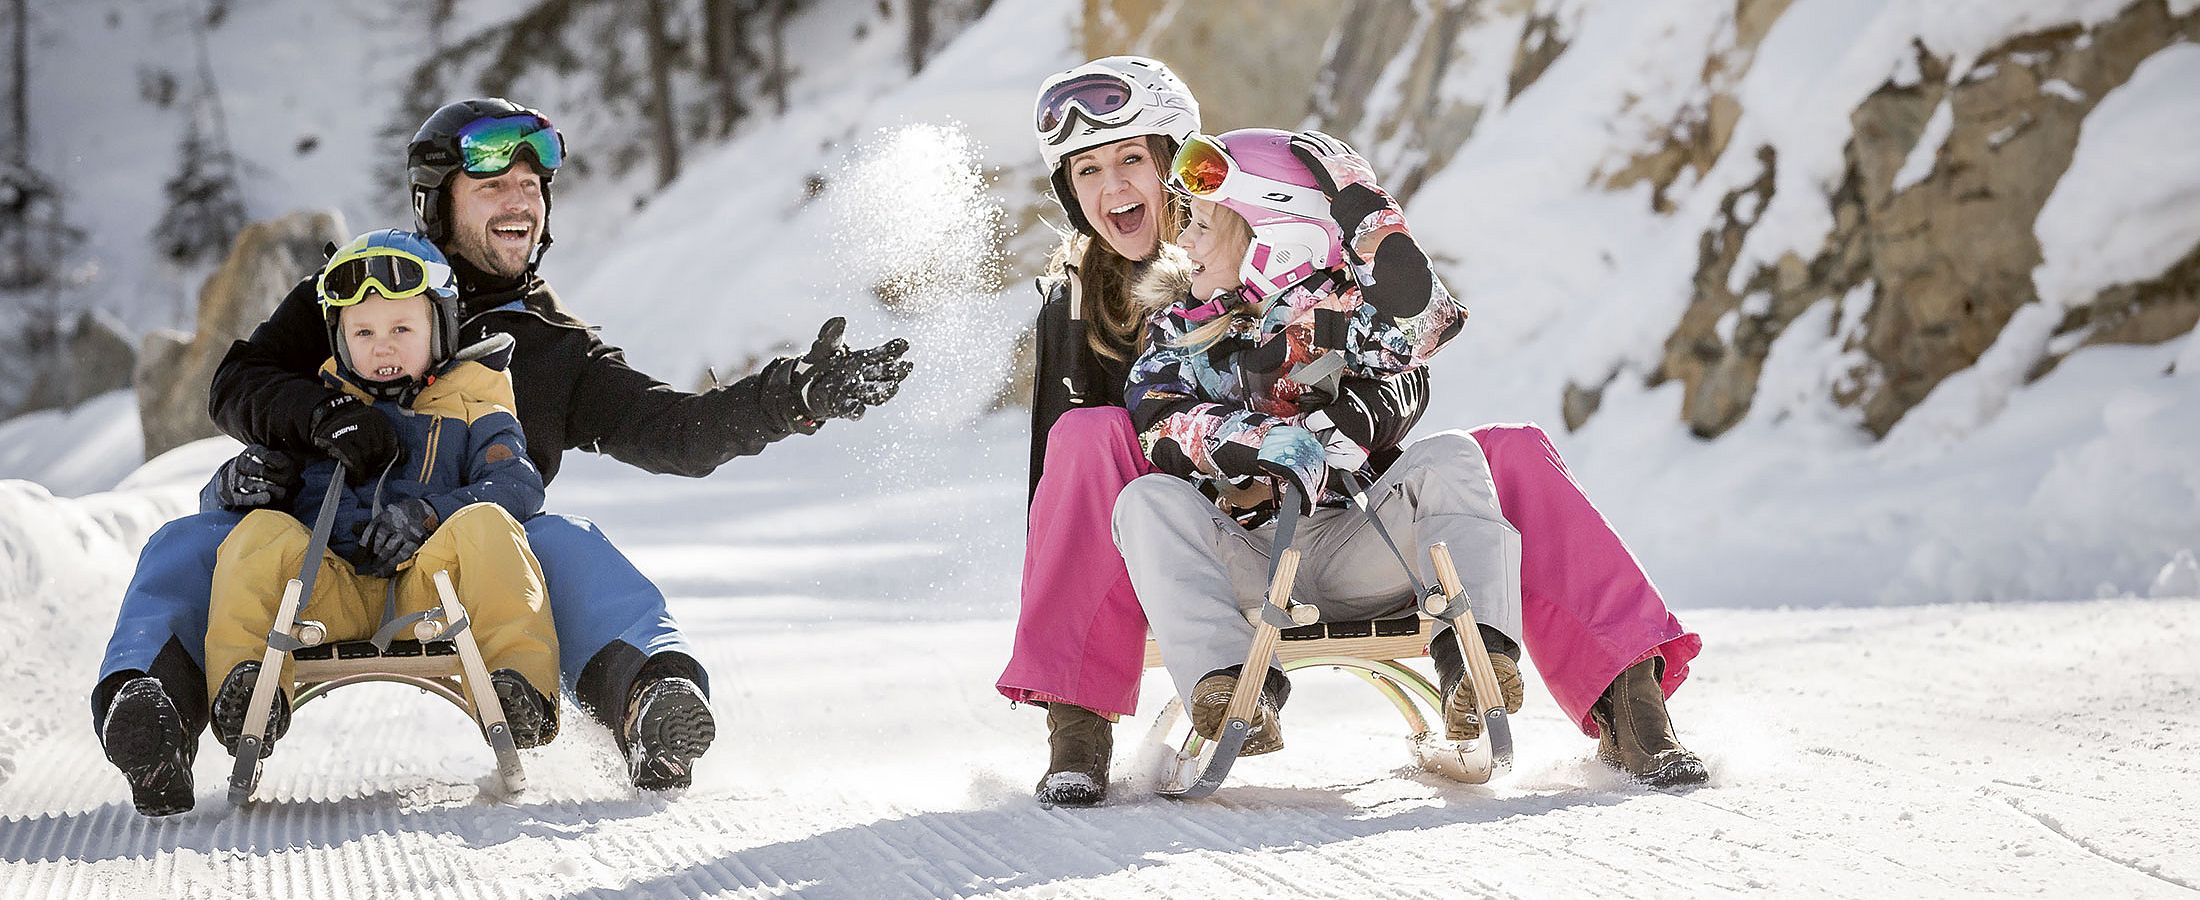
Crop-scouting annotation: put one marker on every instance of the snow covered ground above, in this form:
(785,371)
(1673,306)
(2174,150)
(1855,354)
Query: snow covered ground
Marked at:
(1926,750)
(1871,731)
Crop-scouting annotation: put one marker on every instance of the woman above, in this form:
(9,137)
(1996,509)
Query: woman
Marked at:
(1212,401)
(1106,129)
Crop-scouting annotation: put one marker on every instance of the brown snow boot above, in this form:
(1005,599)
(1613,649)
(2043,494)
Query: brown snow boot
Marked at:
(1210,709)
(1462,710)
(1079,743)
(1638,735)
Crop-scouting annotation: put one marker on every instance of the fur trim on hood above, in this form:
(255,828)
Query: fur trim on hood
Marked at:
(1166,282)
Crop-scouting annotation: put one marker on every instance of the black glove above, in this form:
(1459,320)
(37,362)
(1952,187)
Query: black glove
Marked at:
(1399,283)
(833,382)
(355,435)
(258,477)
(395,534)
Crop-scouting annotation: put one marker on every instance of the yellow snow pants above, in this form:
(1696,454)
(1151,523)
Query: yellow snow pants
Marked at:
(482,546)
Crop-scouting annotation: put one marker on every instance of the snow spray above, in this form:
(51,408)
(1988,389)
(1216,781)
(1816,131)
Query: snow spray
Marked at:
(915,225)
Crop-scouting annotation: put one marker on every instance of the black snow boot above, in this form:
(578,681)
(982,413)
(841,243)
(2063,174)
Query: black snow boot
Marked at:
(1079,744)
(1638,735)
(532,717)
(1210,709)
(668,725)
(1462,710)
(234,699)
(144,737)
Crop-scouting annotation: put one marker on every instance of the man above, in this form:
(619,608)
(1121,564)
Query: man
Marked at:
(480,173)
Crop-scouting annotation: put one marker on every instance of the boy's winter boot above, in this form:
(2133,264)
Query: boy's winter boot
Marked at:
(1079,744)
(1638,735)
(234,699)
(668,725)
(1462,710)
(532,717)
(1210,708)
(144,737)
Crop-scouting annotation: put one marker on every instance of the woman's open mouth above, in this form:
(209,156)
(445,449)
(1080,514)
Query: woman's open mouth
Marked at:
(1128,218)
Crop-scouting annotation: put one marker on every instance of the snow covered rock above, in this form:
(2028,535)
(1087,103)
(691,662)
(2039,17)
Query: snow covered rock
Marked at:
(2179,578)
(175,370)
(91,356)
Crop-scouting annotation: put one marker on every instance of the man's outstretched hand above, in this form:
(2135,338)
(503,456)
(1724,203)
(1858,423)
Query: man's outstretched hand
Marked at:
(834,382)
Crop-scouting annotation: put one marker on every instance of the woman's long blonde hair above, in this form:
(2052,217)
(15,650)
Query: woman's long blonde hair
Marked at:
(1116,324)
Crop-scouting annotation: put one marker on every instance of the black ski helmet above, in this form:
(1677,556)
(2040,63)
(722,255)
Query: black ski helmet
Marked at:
(434,156)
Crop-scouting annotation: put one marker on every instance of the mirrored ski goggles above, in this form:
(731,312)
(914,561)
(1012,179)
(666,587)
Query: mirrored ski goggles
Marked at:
(490,146)
(1099,96)
(387,271)
(1204,170)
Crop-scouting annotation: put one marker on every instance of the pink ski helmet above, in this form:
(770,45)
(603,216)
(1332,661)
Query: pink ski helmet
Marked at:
(1252,172)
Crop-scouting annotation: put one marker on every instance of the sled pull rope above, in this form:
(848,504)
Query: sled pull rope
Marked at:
(1283,568)
(244,775)
(1421,591)
(324,522)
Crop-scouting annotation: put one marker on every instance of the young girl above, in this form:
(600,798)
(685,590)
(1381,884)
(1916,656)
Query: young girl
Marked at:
(1296,254)
(452,501)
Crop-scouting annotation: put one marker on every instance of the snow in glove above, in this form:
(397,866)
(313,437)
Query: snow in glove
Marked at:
(834,382)
(1293,454)
(1398,282)
(355,435)
(394,535)
(256,478)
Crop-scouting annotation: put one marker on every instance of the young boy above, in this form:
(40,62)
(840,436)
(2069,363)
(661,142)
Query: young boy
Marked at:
(452,501)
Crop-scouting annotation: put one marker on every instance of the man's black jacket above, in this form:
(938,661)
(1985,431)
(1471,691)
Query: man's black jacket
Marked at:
(574,391)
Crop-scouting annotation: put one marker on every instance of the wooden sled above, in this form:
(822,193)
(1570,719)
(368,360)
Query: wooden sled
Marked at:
(1193,767)
(442,659)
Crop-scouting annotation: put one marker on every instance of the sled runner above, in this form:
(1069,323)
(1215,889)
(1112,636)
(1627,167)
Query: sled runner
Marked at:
(1291,635)
(442,659)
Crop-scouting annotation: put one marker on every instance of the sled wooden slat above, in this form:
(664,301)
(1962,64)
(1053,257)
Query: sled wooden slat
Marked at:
(315,671)
(1401,646)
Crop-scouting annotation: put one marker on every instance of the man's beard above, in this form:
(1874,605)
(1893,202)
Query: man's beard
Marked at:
(479,248)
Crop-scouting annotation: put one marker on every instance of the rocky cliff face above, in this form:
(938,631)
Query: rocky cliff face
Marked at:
(1932,247)
(1946,174)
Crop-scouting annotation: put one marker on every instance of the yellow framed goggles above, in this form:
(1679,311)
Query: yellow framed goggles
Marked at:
(388,271)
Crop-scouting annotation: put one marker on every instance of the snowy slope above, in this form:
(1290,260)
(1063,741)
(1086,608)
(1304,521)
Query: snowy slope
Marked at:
(1922,751)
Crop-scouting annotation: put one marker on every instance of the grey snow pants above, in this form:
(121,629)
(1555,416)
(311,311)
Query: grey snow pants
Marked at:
(1196,571)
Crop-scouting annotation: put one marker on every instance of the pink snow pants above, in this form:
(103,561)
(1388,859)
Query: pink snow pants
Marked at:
(1587,609)
(1081,637)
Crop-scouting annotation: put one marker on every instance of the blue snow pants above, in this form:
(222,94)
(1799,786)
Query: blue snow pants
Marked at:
(611,620)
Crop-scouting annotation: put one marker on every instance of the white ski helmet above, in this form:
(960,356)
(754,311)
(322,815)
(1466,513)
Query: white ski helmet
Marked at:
(1105,101)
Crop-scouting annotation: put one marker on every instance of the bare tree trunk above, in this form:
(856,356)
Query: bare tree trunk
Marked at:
(660,83)
(725,57)
(920,33)
(780,10)
(19,110)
